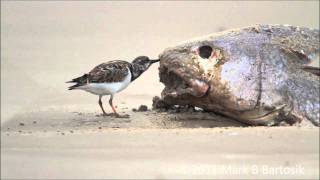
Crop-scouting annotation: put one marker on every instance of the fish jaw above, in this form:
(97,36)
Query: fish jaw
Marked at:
(181,75)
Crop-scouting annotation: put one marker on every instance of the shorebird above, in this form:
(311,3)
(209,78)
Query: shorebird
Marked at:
(110,78)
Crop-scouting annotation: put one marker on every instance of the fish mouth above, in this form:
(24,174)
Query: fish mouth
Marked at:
(179,82)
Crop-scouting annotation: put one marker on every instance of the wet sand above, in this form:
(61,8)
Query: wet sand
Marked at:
(57,143)
(258,152)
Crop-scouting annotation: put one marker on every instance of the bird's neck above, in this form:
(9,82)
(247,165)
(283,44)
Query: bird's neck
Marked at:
(137,70)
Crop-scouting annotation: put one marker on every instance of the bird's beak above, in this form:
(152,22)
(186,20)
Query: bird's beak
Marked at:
(154,61)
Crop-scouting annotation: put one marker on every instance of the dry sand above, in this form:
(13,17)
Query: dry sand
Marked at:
(49,132)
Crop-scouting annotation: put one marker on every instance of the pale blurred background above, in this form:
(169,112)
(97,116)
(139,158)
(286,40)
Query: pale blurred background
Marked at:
(44,44)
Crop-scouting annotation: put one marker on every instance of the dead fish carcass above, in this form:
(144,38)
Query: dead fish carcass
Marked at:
(259,75)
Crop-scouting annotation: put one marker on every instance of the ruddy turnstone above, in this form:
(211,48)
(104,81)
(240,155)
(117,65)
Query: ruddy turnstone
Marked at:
(112,77)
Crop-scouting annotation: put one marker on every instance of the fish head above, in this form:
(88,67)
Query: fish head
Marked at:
(203,73)
(189,68)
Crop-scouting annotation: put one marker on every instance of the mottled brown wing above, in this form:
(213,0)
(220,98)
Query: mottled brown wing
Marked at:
(112,71)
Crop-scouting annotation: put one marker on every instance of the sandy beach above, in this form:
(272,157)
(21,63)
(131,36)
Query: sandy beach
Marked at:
(162,153)
(50,132)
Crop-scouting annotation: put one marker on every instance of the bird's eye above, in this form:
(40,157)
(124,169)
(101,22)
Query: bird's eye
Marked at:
(205,52)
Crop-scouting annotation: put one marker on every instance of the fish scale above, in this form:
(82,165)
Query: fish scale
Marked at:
(264,77)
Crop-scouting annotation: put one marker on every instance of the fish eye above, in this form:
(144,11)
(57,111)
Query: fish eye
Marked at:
(205,52)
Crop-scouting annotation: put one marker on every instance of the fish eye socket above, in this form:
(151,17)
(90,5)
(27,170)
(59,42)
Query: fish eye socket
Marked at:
(205,52)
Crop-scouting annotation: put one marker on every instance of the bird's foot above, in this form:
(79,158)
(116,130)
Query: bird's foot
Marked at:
(108,114)
(116,115)
(104,114)
(121,116)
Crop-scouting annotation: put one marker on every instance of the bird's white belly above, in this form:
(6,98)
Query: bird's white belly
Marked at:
(107,88)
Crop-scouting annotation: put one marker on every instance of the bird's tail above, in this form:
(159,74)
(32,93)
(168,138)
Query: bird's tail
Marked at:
(80,81)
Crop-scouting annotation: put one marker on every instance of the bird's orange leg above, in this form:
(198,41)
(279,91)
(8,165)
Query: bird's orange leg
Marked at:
(114,110)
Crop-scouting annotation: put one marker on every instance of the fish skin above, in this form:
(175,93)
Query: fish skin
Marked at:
(259,78)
